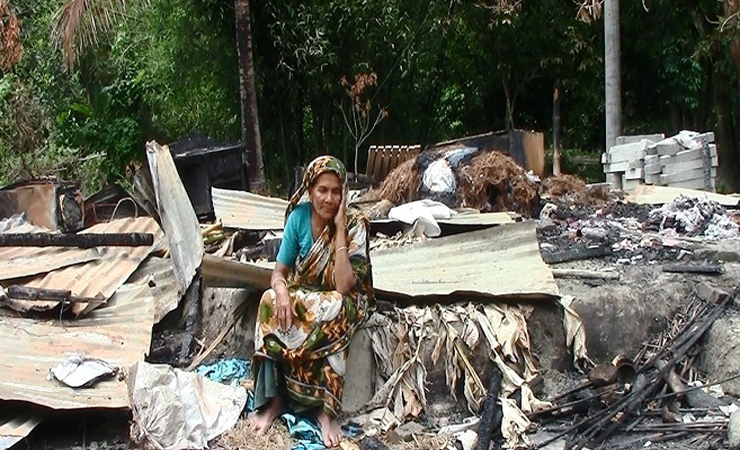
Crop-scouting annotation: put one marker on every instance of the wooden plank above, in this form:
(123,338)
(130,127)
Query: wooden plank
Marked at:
(378,163)
(386,163)
(395,156)
(534,152)
(370,166)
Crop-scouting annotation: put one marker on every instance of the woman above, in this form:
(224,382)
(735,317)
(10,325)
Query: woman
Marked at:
(321,293)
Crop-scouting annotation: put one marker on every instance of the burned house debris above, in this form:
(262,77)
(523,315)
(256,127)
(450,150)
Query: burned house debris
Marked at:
(514,310)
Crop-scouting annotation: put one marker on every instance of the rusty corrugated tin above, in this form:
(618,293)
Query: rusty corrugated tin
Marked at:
(16,425)
(99,278)
(119,333)
(502,262)
(158,273)
(247,211)
(177,215)
(19,262)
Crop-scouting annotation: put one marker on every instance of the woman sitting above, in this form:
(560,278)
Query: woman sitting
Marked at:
(321,293)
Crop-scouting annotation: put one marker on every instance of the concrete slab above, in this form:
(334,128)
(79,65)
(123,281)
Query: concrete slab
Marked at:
(670,166)
(628,152)
(639,137)
(694,184)
(358,384)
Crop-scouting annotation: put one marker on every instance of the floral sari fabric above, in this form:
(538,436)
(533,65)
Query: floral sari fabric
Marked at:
(313,352)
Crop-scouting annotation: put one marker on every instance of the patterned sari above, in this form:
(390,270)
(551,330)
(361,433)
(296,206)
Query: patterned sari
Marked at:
(309,358)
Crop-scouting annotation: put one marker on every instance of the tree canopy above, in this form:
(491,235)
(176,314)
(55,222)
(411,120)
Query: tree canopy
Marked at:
(158,69)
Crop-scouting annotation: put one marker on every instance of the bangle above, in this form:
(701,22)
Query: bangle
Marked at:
(342,248)
(272,285)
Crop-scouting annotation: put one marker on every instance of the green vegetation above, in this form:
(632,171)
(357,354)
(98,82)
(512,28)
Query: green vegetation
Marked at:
(157,69)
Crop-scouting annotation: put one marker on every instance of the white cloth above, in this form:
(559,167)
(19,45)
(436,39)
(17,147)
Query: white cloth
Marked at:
(425,211)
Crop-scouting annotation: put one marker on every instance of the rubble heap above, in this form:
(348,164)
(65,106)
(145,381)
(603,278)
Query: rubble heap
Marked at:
(461,176)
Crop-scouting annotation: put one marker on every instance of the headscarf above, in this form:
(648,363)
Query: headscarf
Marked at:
(318,166)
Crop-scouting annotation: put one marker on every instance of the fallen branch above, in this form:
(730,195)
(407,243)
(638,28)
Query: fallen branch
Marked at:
(81,240)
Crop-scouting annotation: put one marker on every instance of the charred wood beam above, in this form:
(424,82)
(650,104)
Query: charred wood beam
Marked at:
(81,240)
(589,274)
(491,415)
(25,293)
(574,254)
(707,269)
(672,380)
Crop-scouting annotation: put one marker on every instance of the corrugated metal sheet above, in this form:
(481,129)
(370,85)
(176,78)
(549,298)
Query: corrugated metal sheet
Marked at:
(19,262)
(100,278)
(658,195)
(16,425)
(178,217)
(247,211)
(466,219)
(158,273)
(502,262)
(119,333)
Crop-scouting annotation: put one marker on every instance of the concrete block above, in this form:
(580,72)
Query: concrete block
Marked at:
(667,148)
(614,180)
(630,185)
(633,174)
(652,169)
(628,152)
(652,159)
(652,178)
(639,137)
(617,167)
(686,175)
(637,164)
(358,382)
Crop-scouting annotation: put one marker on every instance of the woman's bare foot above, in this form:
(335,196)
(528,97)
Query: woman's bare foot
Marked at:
(331,432)
(263,419)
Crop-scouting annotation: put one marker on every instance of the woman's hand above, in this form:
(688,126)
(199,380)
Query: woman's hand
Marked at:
(340,220)
(284,307)
(283,302)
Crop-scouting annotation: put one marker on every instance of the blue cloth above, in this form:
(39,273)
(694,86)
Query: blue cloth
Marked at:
(304,430)
(297,235)
(226,371)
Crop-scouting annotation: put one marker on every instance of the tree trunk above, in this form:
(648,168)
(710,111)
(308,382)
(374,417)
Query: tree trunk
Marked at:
(248,97)
(729,165)
(612,78)
(556,129)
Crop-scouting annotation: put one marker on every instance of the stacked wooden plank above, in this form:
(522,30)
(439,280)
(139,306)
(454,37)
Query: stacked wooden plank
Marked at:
(687,160)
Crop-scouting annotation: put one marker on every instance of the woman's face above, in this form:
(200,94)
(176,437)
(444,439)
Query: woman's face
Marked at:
(325,195)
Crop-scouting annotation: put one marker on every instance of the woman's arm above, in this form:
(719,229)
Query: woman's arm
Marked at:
(344,276)
(279,283)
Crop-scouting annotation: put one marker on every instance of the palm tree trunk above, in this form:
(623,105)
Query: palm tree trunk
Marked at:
(248,96)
